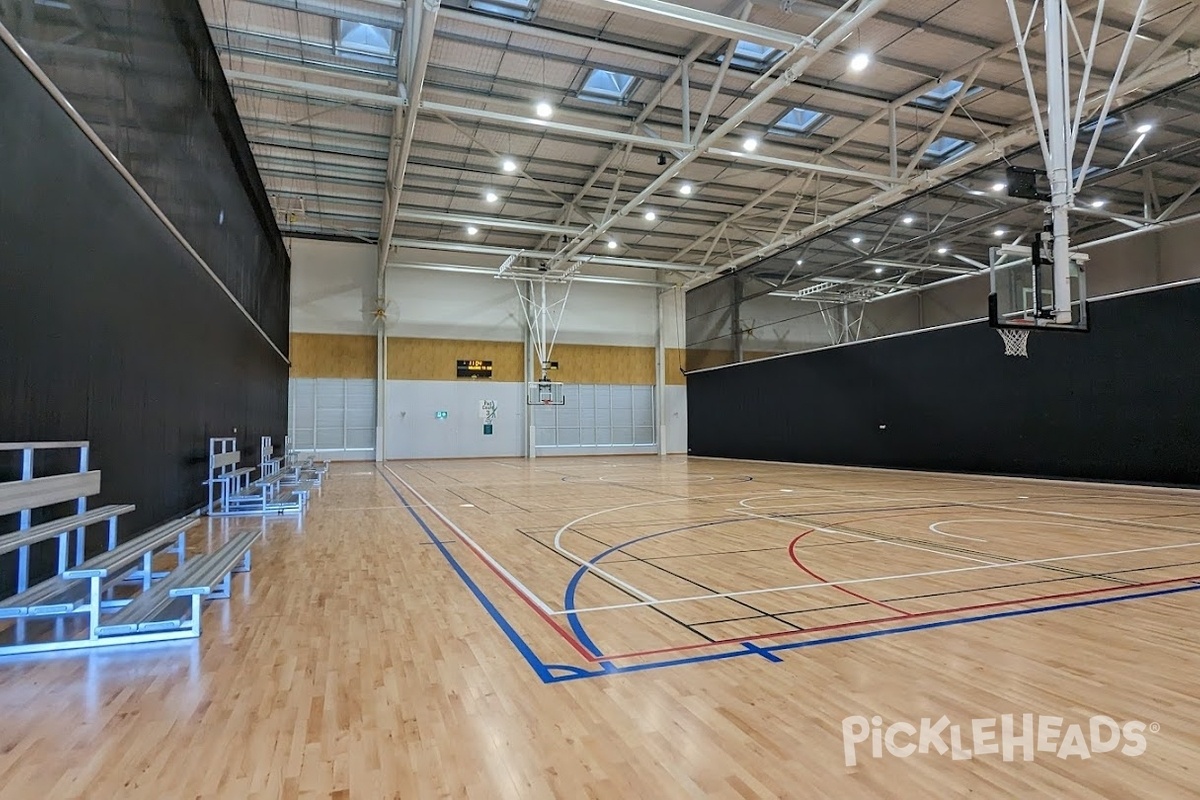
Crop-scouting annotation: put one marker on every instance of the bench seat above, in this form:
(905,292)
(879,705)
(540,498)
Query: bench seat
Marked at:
(47,530)
(67,594)
(166,604)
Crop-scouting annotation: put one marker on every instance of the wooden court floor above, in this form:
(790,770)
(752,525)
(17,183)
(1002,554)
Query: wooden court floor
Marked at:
(639,627)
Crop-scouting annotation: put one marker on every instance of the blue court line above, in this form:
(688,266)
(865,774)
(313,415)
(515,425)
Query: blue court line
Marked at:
(559,673)
(523,648)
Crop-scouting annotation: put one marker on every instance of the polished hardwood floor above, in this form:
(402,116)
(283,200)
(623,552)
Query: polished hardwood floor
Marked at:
(639,627)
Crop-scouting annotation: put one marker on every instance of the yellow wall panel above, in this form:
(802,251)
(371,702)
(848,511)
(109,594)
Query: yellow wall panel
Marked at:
(436,359)
(675,365)
(325,355)
(585,363)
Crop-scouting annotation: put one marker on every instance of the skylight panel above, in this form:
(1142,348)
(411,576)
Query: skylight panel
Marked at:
(799,120)
(522,10)
(364,41)
(940,96)
(607,86)
(945,148)
(753,56)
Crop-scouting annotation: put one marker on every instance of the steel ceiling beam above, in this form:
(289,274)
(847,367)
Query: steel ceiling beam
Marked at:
(865,11)
(412,64)
(319,89)
(703,21)
(1183,64)
(504,252)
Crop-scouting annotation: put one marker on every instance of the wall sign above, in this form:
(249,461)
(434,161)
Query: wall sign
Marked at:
(474,368)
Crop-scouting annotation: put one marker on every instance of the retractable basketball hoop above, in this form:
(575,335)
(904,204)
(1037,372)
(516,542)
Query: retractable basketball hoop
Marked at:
(1043,287)
(543,296)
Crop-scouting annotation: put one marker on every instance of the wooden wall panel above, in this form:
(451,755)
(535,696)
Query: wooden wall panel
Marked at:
(584,363)
(326,355)
(434,359)
(676,363)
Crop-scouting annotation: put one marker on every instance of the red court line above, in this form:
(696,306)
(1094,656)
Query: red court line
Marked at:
(795,560)
(567,637)
(914,615)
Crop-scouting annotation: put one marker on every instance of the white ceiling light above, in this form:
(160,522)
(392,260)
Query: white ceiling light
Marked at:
(999,232)
(650,216)
(472,230)
(491,197)
(1098,203)
(686,189)
(799,262)
(508,165)
(879,270)
(1144,128)
(860,61)
(943,250)
(612,244)
(857,240)
(544,109)
(907,220)
(750,144)
(999,187)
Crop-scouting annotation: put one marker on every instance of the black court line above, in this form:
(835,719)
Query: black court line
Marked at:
(709,589)
(622,589)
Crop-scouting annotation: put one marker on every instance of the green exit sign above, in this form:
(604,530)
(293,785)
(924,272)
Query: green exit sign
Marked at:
(441,414)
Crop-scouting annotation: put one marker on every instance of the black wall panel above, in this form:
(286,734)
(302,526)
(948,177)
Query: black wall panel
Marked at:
(109,330)
(1121,403)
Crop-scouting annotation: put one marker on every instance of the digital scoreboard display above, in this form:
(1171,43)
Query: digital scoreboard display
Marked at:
(474,368)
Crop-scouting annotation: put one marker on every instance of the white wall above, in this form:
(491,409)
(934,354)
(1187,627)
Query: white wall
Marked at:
(333,287)
(334,291)
(414,431)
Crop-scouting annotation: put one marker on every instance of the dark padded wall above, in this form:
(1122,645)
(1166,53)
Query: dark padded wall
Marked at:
(1121,403)
(109,330)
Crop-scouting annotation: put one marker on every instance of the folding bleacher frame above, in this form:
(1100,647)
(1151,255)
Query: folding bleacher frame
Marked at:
(231,492)
(169,605)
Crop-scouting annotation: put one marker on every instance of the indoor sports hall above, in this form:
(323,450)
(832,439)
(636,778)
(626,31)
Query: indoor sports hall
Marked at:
(415,399)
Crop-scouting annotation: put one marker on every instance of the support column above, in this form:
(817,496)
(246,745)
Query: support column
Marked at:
(381,367)
(1058,133)
(660,368)
(530,429)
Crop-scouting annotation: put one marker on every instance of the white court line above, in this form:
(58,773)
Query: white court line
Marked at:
(859,536)
(502,464)
(588,566)
(520,587)
(934,528)
(879,579)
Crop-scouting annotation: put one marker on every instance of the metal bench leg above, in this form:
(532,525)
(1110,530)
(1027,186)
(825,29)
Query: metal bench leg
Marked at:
(147,570)
(112,533)
(64,551)
(197,608)
(245,565)
(181,549)
(225,588)
(23,569)
(93,607)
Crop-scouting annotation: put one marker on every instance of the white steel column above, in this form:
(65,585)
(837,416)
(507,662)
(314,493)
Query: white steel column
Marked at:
(660,371)
(381,368)
(1058,135)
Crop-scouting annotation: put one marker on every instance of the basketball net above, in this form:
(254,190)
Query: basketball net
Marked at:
(1015,341)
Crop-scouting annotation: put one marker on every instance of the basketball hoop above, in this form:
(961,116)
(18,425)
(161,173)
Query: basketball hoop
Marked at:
(1015,341)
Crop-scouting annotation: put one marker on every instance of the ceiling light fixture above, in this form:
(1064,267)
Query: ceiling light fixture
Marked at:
(650,216)
(491,197)
(1098,203)
(544,109)
(857,240)
(907,220)
(508,165)
(1144,128)
(879,270)
(999,232)
(750,144)
(612,244)
(943,250)
(686,189)
(860,61)
(472,230)
(799,262)
(999,187)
